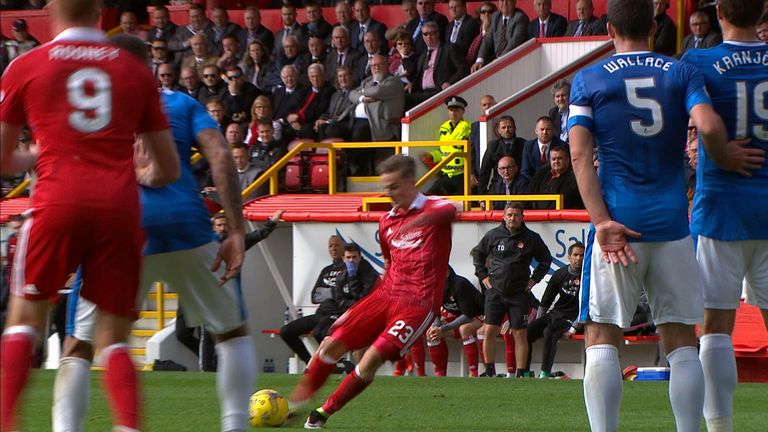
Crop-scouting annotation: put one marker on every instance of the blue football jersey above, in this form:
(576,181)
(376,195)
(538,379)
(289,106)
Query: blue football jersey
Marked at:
(174,216)
(636,106)
(728,206)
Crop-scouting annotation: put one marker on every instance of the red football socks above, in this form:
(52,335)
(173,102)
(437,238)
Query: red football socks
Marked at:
(471,353)
(350,387)
(509,352)
(314,377)
(419,355)
(15,360)
(121,384)
(439,355)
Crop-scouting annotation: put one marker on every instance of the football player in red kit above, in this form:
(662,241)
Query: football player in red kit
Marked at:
(415,239)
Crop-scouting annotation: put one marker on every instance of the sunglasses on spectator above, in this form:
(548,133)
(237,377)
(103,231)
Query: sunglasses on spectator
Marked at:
(429,33)
(209,75)
(166,75)
(485,11)
(690,128)
(159,47)
(233,76)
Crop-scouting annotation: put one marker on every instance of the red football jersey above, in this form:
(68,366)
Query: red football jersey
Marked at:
(417,257)
(84,100)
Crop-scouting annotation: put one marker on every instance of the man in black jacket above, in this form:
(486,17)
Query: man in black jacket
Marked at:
(338,287)
(552,324)
(502,260)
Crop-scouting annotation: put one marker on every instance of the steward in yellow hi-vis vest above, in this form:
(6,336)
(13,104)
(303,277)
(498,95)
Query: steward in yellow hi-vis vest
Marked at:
(450,181)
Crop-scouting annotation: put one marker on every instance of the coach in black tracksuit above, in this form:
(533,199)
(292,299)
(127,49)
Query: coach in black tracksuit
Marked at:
(551,324)
(502,262)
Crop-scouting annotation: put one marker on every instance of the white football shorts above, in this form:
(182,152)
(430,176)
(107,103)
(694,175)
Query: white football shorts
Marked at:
(724,266)
(666,270)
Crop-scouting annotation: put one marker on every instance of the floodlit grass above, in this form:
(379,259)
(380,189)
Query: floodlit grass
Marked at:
(186,401)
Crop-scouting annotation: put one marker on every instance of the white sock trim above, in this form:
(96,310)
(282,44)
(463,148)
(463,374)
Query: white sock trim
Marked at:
(327,360)
(716,340)
(469,340)
(106,352)
(603,352)
(22,329)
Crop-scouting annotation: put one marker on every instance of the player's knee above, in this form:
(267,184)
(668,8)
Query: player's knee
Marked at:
(240,331)
(331,348)
(74,347)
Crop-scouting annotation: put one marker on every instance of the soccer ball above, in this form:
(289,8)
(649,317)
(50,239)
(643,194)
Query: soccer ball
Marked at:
(267,408)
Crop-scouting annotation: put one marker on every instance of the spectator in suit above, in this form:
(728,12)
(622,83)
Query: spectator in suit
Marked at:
(259,70)
(547,23)
(190,81)
(198,24)
(702,35)
(317,51)
(426,10)
(439,66)
(317,25)
(709,7)
(341,54)
(536,151)
(409,10)
(230,52)
(261,108)
(509,29)
(508,144)
(508,181)
(586,23)
(239,96)
(255,30)
(165,29)
(316,102)
(213,85)
(290,27)
(665,37)
(166,74)
(332,124)
(372,48)
(380,103)
(363,24)
(223,27)
(556,178)
(291,54)
(484,14)
(463,28)
(160,54)
(200,57)
(343,15)
(402,62)
(561,92)
(287,98)
(486,102)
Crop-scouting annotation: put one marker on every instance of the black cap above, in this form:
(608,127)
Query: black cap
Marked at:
(455,102)
(19,25)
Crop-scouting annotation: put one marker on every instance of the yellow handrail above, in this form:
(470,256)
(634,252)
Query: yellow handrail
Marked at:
(271,174)
(18,189)
(159,291)
(558,199)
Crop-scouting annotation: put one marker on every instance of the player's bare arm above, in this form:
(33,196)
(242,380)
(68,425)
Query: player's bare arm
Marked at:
(161,150)
(12,161)
(611,235)
(732,156)
(232,249)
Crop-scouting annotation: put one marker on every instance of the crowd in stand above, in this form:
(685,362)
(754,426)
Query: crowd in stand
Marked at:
(354,80)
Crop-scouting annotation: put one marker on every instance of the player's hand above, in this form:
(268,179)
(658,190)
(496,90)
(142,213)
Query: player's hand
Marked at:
(504,329)
(232,252)
(530,285)
(742,159)
(487,282)
(434,333)
(612,237)
(476,67)
(141,157)
(277,215)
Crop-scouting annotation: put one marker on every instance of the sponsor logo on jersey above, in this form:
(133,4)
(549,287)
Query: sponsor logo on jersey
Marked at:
(408,240)
(30,289)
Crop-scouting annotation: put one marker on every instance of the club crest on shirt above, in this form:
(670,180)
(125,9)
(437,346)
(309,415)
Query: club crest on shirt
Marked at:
(500,247)
(408,240)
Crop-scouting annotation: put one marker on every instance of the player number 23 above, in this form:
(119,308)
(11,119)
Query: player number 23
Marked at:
(92,107)
(401,331)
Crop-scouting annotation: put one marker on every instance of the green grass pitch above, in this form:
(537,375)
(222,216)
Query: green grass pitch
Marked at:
(186,401)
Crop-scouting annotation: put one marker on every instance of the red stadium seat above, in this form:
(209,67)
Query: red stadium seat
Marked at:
(293,174)
(318,173)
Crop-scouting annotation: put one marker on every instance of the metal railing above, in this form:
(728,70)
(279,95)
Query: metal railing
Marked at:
(271,175)
(467,199)
(16,191)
